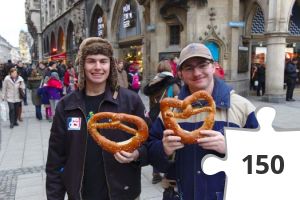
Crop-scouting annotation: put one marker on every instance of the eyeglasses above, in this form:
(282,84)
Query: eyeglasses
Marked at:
(201,66)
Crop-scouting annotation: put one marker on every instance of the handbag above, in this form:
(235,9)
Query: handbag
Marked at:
(21,92)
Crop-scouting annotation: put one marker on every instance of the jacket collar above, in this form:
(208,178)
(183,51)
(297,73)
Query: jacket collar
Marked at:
(220,94)
(76,99)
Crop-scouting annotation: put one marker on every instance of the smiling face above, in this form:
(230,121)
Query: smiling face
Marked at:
(96,69)
(197,73)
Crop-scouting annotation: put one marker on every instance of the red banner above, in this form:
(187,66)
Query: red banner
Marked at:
(60,56)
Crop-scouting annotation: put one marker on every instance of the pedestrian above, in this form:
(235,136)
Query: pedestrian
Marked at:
(261,78)
(34,82)
(76,165)
(70,79)
(45,98)
(164,84)
(134,77)
(22,71)
(122,74)
(54,90)
(11,85)
(197,71)
(291,77)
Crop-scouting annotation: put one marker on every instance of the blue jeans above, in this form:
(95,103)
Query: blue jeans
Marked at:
(38,112)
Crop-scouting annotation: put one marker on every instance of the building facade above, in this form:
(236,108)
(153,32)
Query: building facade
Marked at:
(143,31)
(8,52)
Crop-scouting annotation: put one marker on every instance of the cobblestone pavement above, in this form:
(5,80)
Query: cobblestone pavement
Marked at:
(9,178)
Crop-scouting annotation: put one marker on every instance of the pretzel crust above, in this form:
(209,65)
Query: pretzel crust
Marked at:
(140,135)
(169,117)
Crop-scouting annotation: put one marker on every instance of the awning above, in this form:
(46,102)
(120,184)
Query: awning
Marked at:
(60,56)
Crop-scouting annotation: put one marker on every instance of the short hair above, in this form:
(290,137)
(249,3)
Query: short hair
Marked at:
(12,70)
(163,66)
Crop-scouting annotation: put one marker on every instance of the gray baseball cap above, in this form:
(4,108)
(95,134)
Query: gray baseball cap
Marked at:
(194,50)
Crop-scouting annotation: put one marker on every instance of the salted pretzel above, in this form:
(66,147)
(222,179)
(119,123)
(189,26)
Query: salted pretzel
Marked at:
(115,122)
(169,117)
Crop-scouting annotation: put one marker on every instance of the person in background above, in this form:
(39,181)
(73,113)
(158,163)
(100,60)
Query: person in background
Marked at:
(34,83)
(61,69)
(164,84)
(219,72)
(22,71)
(291,77)
(173,63)
(7,67)
(52,67)
(42,69)
(1,74)
(54,90)
(45,98)
(197,71)
(261,78)
(122,74)
(76,165)
(134,77)
(10,93)
(70,79)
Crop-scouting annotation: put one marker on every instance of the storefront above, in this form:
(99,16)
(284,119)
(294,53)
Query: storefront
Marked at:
(129,34)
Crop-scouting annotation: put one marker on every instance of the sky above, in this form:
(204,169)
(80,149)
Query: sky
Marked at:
(12,20)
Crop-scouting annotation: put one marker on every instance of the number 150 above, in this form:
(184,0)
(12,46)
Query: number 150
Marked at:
(264,164)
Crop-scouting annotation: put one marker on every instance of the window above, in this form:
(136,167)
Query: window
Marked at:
(174,34)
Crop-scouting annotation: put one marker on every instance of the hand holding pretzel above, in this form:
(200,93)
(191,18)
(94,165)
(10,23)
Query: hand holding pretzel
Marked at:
(169,117)
(140,135)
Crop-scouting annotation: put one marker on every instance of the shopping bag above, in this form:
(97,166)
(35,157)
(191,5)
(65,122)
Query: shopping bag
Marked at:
(3,111)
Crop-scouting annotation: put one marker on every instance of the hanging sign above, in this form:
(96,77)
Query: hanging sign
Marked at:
(128,17)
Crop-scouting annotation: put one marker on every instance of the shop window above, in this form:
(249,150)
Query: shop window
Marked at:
(174,34)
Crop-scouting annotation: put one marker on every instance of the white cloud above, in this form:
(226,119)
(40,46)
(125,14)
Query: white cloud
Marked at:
(12,20)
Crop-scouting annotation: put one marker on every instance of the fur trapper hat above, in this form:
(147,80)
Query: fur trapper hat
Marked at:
(94,46)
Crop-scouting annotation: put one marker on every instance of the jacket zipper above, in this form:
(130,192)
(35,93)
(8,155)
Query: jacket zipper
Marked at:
(103,159)
(80,195)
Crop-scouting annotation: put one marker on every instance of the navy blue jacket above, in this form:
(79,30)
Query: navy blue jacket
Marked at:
(233,111)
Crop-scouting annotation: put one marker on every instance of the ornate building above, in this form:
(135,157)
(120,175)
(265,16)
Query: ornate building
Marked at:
(144,31)
(8,52)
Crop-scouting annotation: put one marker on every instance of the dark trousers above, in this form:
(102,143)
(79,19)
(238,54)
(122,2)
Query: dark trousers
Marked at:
(38,112)
(13,112)
(25,97)
(290,83)
(261,86)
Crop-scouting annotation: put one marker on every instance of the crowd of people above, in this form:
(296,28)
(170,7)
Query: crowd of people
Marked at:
(291,77)
(48,83)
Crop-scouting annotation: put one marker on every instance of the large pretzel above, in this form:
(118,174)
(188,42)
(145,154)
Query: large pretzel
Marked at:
(115,119)
(169,117)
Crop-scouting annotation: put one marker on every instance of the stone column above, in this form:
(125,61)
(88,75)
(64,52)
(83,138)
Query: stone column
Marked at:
(234,36)
(40,47)
(276,44)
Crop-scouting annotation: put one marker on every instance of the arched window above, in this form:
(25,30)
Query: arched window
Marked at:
(258,22)
(98,23)
(61,40)
(53,49)
(294,26)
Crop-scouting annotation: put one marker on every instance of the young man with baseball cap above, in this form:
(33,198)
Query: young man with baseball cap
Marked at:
(197,71)
(76,165)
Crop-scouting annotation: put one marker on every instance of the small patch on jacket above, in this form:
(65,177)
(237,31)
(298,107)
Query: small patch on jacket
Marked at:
(74,123)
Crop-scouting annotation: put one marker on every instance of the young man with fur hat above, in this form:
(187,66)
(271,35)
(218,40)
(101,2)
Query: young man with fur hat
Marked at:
(76,165)
(197,71)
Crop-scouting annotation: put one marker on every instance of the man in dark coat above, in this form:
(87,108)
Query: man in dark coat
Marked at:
(291,77)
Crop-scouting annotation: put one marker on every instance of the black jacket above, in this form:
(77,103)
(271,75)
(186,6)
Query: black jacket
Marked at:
(67,148)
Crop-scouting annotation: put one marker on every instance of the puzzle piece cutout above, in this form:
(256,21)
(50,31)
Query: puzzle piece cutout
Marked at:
(260,164)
